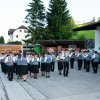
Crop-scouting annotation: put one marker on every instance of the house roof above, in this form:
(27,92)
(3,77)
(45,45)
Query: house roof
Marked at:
(10,31)
(92,26)
(54,43)
(22,27)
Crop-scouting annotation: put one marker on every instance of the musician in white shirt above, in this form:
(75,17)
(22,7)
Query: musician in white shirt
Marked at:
(66,63)
(72,57)
(48,60)
(43,64)
(53,62)
(36,65)
(60,63)
(9,63)
(3,66)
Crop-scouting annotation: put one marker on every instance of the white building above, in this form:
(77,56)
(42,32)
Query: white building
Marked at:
(18,34)
(93,26)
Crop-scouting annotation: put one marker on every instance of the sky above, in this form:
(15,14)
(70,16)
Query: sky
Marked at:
(12,12)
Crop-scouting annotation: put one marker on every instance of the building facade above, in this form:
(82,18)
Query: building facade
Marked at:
(13,48)
(18,34)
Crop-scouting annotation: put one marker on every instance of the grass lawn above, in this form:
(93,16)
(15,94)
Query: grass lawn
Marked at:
(85,34)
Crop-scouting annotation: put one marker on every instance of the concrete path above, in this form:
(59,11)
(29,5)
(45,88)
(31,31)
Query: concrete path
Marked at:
(80,85)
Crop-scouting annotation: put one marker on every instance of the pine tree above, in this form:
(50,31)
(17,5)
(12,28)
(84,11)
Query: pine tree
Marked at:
(58,20)
(2,40)
(98,19)
(36,20)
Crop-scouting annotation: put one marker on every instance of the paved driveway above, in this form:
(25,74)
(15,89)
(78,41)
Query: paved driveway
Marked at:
(80,85)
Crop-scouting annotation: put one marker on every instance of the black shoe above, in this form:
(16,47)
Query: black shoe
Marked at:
(24,80)
(10,79)
(46,76)
(35,77)
(66,75)
(17,78)
(42,75)
(79,69)
(71,67)
(60,74)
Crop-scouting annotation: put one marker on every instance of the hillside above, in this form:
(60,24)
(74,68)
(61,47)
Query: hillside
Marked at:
(89,34)
(84,35)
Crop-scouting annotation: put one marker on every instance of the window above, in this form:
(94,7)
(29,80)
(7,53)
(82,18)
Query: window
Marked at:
(25,31)
(16,36)
(20,30)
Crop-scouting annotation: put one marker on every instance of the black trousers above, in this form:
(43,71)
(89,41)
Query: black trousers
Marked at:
(95,67)
(66,68)
(18,70)
(87,66)
(92,62)
(14,68)
(84,63)
(48,66)
(60,67)
(3,67)
(39,65)
(79,64)
(72,62)
(10,72)
(52,66)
